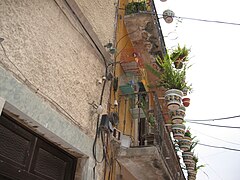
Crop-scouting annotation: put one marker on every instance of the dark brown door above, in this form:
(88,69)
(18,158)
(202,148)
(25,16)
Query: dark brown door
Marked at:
(26,156)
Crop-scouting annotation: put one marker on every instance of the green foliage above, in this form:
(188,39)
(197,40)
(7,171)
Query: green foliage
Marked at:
(188,133)
(170,77)
(180,53)
(192,146)
(195,159)
(151,119)
(135,7)
(197,167)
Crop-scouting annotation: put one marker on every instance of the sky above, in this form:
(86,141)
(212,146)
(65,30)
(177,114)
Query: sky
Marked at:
(214,76)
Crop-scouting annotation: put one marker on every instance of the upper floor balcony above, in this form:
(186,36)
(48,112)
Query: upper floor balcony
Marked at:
(144,29)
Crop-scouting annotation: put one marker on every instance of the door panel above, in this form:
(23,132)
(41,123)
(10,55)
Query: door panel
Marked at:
(26,156)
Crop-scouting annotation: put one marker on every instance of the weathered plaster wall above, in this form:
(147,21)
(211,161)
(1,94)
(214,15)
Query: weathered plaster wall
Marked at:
(101,15)
(23,105)
(52,55)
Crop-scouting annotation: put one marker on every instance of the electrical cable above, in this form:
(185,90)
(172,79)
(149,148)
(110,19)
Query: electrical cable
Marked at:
(98,132)
(205,162)
(216,119)
(122,48)
(210,21)
(204,20)
(216,138)
(233,127)
(219,147)
(126,35)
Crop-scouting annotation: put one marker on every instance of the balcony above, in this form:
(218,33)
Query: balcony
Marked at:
(148,153)
(144,30)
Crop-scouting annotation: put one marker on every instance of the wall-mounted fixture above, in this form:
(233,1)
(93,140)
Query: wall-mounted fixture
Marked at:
(97,108)
(168,16)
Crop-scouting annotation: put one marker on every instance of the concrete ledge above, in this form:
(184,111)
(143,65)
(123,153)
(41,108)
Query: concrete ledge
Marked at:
(139,151)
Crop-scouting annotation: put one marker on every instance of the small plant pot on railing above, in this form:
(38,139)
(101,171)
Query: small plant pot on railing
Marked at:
(185,143)
(178,115)
(173,98)
(178,131)
(187,157)
(192,175)
(190,165)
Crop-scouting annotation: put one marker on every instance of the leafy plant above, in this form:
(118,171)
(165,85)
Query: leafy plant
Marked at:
(197,167)
(169,76)
(135,7)
(192,146)
(180,54)
(151,119)
(188,133)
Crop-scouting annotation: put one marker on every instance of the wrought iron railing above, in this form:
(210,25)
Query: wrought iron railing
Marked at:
(165,144)
(158,137)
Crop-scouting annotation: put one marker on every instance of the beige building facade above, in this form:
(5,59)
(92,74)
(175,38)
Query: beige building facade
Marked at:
(52,56)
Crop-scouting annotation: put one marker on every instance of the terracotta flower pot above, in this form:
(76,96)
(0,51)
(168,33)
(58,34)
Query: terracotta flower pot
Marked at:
(186,102)
(185,143)
(178,131)
(173,98)
(178,115)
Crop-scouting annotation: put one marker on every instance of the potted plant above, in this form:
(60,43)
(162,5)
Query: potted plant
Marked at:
(192,173)
(178,115)
(188,155)
(179,56)
(178,131)
(186,101)
(172,79)
(191,164)
(135,7)
(186,141)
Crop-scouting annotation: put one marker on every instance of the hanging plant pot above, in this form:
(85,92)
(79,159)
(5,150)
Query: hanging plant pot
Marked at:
(178,115)
(173,98)
(187,156)
(168,15)
(178,64)
(178,131)
(186,102)
(185,143)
